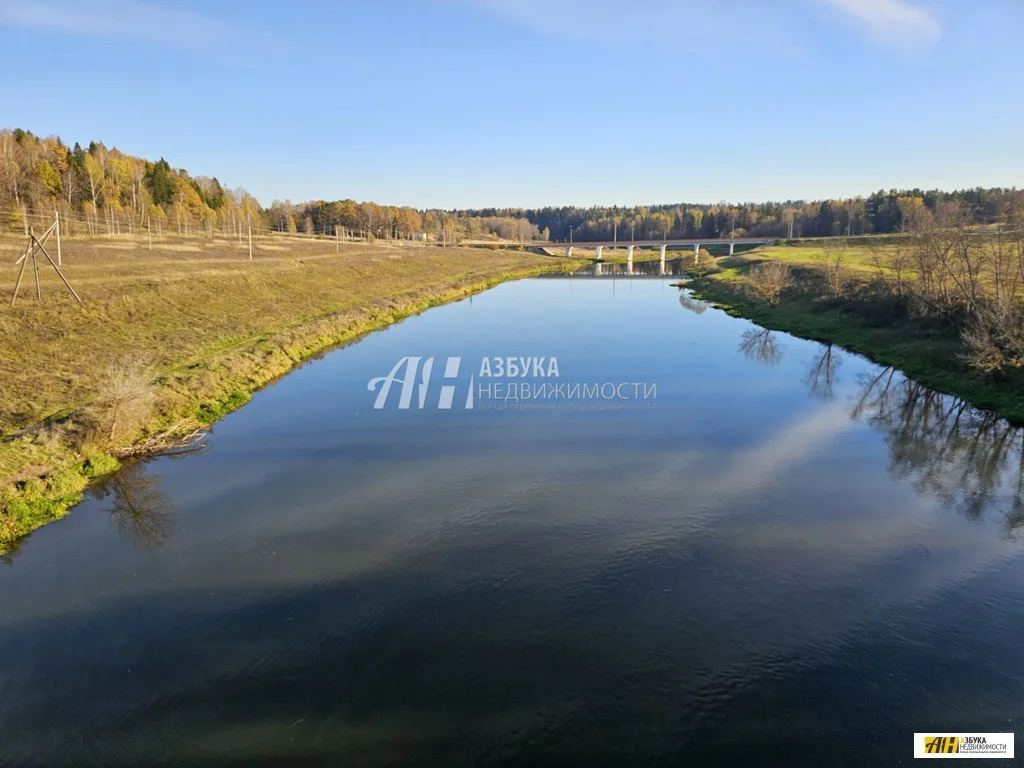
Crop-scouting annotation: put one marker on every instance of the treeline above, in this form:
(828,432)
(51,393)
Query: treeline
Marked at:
(880,213)
(371,220)
(99,190)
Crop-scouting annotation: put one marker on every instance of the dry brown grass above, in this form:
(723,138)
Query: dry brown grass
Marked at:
(185,300)
(213,324)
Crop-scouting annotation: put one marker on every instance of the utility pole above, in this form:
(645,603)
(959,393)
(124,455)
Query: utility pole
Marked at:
(56,214)
(249,223)
(337,240)
(33,249)
(35,265)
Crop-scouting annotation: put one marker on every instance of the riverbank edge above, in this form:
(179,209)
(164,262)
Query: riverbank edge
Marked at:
(938,371)
(240,371)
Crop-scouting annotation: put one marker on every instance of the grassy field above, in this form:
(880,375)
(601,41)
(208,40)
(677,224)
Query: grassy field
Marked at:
(862,321)
(206,324)
(858,259)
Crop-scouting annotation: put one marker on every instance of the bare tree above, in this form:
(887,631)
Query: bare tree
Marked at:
(892,266)
(125,398)
(993,335)
(971,280)
(769,279)
(835,257)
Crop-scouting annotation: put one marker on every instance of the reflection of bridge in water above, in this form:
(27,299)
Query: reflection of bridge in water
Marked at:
(603,269)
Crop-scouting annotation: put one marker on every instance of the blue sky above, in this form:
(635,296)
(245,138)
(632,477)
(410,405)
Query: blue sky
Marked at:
(460,103)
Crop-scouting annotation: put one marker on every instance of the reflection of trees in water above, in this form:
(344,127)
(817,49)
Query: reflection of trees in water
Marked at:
(966,457)
(761,345)
(140,509)
(822,374)
(687,301)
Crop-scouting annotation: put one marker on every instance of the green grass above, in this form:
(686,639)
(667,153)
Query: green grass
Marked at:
(207,413)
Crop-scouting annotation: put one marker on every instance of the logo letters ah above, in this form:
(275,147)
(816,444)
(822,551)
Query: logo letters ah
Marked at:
(409,386)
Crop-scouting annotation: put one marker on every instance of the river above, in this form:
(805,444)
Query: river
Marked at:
(679,539)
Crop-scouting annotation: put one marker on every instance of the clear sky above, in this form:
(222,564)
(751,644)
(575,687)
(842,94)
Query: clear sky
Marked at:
(463,103)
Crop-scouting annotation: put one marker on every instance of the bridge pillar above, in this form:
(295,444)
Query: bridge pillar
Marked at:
(598,256)
(696,253)
(598,268)
(731,246)
(568,251)
(629,257)
(661,269)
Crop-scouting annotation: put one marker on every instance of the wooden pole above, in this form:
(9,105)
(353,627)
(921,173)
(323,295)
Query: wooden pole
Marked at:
(43,239)
(35,264)
(149,232)
(21,273)
(56,223)
(61,274)
(337,240)
(250,242)
(24,256)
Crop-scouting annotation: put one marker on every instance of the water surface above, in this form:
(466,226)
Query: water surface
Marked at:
(787,556)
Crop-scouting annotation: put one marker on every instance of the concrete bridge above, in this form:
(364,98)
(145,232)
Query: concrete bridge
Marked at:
(663,245)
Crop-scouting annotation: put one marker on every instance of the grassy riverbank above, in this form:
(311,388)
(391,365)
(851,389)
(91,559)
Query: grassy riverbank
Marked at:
(170,339)
(863,320)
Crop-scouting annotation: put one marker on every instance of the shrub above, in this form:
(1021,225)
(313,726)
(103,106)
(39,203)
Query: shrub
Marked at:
(125,399)
(768,280)
(993,336)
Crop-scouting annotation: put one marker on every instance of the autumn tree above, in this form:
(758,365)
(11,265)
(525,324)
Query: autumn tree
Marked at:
(768,280)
